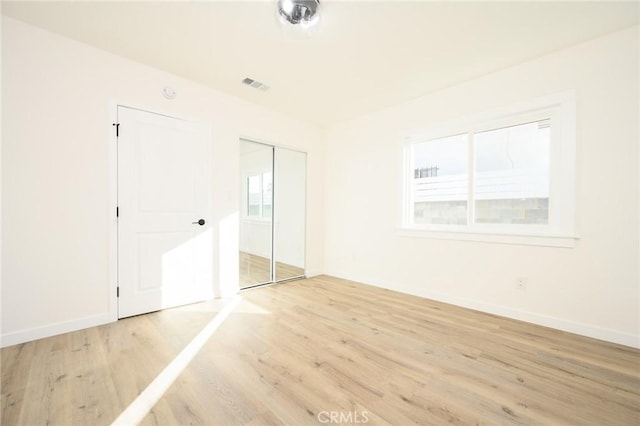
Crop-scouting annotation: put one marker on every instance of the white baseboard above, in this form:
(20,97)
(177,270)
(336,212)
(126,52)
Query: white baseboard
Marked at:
(312,273)
(17,337)
(582,329)
(588,330)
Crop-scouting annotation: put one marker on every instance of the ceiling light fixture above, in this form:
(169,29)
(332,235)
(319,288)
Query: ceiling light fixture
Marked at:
(304,13)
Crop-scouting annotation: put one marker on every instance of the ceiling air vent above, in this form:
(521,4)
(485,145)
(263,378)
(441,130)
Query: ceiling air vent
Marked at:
(544,124)
(255,84)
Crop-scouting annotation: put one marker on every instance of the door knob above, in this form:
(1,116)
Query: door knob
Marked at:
(200,222)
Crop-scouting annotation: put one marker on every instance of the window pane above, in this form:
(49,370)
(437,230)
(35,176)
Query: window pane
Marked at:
(439,183)
(512,174)
(267,194)
(253,196)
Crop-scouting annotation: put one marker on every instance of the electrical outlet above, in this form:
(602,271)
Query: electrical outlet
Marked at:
(521,283)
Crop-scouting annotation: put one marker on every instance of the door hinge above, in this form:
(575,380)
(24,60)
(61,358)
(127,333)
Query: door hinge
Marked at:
(117,211)
(117,129)
(117,291)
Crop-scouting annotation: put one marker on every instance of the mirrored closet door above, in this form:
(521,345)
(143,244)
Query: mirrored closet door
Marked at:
(289,213)
(272,213)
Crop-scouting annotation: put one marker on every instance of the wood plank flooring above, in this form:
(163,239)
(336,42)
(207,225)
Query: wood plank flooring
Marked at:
(257,270)
(301,352)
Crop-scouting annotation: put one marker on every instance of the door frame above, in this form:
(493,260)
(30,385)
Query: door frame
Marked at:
(112,190)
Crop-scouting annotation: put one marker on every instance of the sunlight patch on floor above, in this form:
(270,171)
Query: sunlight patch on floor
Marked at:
(141,406)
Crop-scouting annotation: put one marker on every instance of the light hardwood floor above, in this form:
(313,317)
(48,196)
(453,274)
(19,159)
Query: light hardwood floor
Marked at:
(257,270)
(292,352)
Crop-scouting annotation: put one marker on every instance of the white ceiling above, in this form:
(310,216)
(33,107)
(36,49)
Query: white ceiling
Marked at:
(363,56)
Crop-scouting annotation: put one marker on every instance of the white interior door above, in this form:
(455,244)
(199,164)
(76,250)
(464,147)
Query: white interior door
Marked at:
(164,255)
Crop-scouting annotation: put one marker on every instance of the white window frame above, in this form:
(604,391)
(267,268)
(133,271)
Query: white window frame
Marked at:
(260,216)
(559,232)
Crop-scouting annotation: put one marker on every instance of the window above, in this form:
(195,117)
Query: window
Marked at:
(504,174)
(439,186)
(511,184)
(267,194)
(254,203)
(260,195)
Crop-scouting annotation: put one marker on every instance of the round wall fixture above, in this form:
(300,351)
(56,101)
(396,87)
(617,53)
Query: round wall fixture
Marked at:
(304,13)
(169,92)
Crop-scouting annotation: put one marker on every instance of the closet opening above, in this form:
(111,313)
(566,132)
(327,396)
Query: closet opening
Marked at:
(272,214)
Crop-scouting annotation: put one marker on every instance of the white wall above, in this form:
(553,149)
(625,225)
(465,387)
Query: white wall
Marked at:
(592,289)
(57,113)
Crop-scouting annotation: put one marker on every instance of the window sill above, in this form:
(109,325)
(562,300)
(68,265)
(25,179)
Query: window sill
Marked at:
(545,240)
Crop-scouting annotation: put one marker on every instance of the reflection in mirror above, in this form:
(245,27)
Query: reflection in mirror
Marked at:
(289,213)
(256,207)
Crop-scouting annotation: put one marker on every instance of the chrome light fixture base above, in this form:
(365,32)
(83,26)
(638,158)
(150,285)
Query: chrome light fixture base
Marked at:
(304,13)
